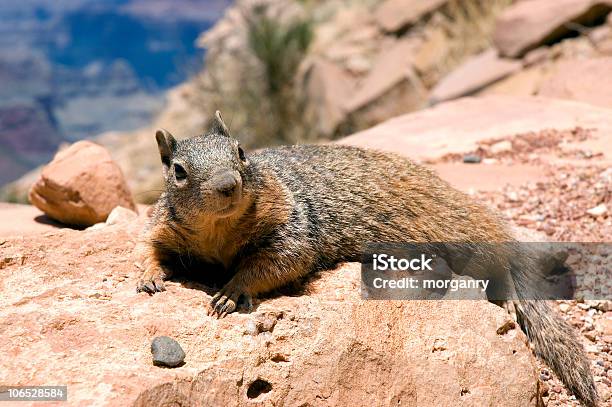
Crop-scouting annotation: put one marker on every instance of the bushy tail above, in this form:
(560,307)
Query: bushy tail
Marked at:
(554,340)
(556,343)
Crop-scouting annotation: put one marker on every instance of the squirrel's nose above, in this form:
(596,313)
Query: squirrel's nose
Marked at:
(226,184)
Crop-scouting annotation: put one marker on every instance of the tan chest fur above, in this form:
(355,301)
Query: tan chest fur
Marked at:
(216,242)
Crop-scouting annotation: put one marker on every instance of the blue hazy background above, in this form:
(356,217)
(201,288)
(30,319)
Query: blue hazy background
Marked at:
(72,69)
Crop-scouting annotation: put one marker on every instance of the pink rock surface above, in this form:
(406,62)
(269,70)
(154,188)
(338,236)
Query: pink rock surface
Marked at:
(392,87)
(20,220)
(392,66)
(486,177)
(69,314)
(528,24)
(456,127)
(81,186)
(585,80)
(28,220)
(328,87)
(394,15)
(473,75)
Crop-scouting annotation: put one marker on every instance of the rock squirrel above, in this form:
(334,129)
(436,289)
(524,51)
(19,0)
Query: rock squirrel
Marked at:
(273,216)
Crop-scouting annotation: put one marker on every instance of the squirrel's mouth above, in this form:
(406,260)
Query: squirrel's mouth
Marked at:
(227,211)
(230,208)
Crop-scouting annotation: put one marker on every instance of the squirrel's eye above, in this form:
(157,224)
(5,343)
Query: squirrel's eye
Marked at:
(179,172)
(241,154)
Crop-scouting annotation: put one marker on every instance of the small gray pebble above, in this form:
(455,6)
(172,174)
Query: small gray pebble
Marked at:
(471,159)
(251,328)
(167,352)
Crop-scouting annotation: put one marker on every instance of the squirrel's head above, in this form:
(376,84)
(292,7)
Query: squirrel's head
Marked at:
(204,175)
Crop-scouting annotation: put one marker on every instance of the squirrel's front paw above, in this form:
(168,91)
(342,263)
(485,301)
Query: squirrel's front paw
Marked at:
(226,300)
(151,282)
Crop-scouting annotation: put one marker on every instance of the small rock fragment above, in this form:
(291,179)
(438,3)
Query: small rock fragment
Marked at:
(501,147)
(439,345)
(604,326)
(267,324)
(512,196)
(599,210)
(167,352)
(120,215)
(563,307)
(604,392)
(601,305)
(97,226)
(471,159)
(262,323)
(251,328)
(583,306)
(591,336)
(507,326)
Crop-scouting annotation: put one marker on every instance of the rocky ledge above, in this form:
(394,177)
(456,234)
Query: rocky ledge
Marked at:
(70,315)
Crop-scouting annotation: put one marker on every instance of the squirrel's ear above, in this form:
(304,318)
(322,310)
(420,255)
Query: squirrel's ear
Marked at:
(166,145)
(219,126)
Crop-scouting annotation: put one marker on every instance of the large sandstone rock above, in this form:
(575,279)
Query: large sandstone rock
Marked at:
(395,15)
(473,75)
(81,186)
(350,39)
(585,80)
(327,88)
(392,87)
(529,24)
(456,127)
(76,320)
(525,82)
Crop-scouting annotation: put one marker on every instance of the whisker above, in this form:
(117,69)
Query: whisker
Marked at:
(150,190)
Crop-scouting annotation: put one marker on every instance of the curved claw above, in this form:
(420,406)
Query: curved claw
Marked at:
(150,286)
(224,306)
(225,302)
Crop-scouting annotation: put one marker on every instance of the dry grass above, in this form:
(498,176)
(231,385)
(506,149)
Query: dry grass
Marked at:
(469,25)
(256,85)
